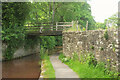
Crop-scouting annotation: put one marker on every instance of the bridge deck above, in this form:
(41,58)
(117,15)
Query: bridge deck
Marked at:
(47,29)
(46,33)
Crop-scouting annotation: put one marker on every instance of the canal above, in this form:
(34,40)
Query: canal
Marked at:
(26,67)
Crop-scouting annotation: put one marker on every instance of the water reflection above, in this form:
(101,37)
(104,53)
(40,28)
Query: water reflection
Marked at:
(26,67)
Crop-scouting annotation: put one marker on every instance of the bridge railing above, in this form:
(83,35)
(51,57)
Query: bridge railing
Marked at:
(59,26)
(63,25)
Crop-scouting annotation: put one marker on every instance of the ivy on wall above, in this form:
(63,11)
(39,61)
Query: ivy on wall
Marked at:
(14,16)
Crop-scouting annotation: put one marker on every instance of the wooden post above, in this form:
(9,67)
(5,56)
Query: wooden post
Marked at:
(107,25)
(28,26)
(72,23)
(41,28)
(87,26)
(52,27)
(77,26)
(56,25)
(80,27)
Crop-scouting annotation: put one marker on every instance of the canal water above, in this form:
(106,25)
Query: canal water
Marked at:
(26,67)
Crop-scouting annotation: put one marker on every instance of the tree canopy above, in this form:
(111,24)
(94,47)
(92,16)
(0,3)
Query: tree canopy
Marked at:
(62,12)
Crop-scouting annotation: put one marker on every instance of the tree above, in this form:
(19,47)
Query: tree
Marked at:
(100,25)
(62,12)
(14,16)
(112,21)
(14,13)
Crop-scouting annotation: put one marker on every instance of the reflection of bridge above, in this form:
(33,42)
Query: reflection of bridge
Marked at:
(47,29)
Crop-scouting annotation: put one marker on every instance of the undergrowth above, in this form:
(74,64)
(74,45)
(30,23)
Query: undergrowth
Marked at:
(89,69)
(49,73)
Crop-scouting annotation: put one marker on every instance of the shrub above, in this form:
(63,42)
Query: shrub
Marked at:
(92,47)
(75,56)
(91,60)
(106,36)
(100,65)
(65,60)
(101,48)
(61,56)
(48,42)
(43,53)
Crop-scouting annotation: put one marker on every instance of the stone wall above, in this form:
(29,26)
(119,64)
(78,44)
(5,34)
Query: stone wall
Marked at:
(22,51)
(105,49)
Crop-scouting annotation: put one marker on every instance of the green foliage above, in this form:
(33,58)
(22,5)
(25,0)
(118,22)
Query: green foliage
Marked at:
(48,42)
(63,58)
(112,21)
(58,40)
(14,13)
(49,70)
(92,47)
(113,49)
(43,54)
(75,56)
(62,12)
(74,27)
(91,59)
(9,53)
(14,38)
(113,45)
(100,25)
(31,41)
(81,69)
(83,57)
(106,36)
(101,48)
(84,29)
(100,66)
(14,16)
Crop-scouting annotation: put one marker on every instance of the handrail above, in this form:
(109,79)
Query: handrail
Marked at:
(64,25)
(49,26)
(64,22)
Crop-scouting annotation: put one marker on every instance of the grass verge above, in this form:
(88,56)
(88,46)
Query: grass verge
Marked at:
(83,69)
(49,70)
(47,66)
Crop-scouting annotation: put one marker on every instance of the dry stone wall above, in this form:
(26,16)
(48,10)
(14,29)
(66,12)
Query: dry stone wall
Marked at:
(103,44)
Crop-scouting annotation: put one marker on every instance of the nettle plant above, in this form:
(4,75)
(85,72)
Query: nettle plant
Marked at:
(106,36)
(91,60)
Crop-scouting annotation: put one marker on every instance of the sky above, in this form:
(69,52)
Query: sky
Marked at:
(103,9)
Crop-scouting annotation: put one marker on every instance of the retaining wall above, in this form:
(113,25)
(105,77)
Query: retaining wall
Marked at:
(20,52)
(105,49)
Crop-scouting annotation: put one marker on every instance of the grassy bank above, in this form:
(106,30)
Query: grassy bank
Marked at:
(49,70)
(85,70)
(47,66)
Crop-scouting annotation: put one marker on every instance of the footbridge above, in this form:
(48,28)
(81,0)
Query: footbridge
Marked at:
(47,29)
